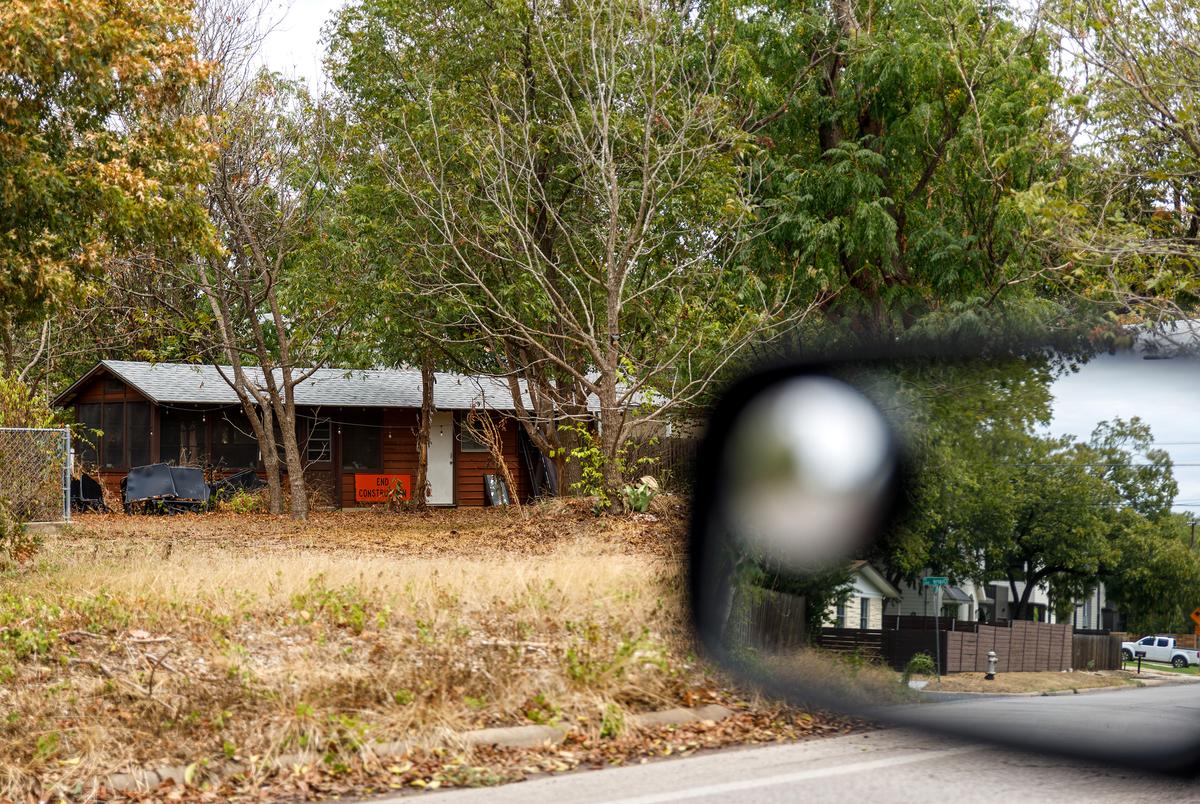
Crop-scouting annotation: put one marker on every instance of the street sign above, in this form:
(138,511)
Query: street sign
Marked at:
(1196,615)
(940,580)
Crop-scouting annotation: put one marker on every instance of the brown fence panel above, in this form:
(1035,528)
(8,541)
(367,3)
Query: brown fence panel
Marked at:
(867,643)
(1065,651)
(900,646)
(1003,649)
(954,641)
(1021,647)
(1095,652)
(766,620)
(917,622)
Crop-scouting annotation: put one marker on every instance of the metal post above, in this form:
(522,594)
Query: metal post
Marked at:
(937,640)
(68,470)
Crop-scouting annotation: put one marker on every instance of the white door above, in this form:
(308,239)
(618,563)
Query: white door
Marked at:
(441,459)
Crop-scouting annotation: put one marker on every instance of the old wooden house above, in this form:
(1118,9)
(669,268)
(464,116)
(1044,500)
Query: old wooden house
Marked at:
(357,430)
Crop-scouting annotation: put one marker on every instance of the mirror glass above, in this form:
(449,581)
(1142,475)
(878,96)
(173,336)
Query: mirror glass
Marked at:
(1003,548)
(808,462)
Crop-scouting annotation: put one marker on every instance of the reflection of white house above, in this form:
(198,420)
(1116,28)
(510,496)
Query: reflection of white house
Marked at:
(864,607)
(994,601)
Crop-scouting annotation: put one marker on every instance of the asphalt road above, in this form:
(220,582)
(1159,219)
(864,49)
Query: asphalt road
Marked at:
(882,766)
(905,765)
(1157,726)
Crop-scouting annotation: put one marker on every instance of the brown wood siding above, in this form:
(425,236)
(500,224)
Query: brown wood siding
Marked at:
(470,467)
(398,449)
(95,391)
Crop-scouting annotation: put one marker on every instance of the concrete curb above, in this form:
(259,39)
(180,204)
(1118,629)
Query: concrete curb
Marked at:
(504,737)
(1145,682)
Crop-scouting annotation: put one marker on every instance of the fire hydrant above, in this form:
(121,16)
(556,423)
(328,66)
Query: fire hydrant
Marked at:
(991,673)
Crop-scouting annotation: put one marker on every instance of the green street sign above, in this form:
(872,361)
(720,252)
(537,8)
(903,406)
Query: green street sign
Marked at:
(935,580)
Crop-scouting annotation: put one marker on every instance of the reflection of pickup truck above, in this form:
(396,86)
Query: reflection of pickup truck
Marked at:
(1159,649)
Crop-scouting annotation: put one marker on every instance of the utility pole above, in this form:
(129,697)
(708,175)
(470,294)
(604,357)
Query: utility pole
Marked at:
(1192,522)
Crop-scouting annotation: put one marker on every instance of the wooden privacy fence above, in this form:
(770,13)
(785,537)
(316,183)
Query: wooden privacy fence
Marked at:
(669,460)
(868,643)
(1022,647)
(917,622)
(1096,652)
(901,645)
(766,620)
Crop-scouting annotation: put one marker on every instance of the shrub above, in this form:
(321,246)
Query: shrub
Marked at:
(243,502)
(921,664)
(637,498)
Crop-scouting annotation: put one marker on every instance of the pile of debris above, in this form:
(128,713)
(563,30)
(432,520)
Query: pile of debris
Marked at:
(164,489)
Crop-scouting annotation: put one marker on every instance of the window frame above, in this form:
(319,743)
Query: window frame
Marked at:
(468,443)
(314,425)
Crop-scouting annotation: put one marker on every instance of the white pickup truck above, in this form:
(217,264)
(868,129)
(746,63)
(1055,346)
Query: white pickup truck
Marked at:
(1159,649)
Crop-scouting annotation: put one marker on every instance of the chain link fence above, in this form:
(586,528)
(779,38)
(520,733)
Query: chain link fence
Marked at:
(35,473)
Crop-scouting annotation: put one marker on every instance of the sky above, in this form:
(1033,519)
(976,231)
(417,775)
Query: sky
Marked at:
(293,46)
(1164,393)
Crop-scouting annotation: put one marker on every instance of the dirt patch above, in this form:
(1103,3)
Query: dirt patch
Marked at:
(199,641)
(535,530)
(1031,682)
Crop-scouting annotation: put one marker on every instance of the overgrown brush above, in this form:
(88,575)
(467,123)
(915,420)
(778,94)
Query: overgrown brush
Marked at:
(112,656)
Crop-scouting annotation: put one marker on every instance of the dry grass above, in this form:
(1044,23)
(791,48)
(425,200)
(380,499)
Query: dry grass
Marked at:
(135,641)
(840,676)
(1031,682)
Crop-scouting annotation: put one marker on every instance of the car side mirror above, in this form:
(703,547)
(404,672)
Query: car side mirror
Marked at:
(954,544)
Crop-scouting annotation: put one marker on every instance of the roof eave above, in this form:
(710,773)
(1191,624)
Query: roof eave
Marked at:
(67,395)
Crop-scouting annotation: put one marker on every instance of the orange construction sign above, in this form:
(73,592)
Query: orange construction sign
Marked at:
(380,488)
(1196,618)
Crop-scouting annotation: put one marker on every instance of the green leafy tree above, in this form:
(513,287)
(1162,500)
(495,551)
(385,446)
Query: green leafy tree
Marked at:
(95,161)
(566,182)
(1131,231)
(898,141)
(995,498)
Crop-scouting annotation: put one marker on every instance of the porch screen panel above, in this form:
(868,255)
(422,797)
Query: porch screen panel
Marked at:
(181,437)
(138,416)
(233,443)
(88,443)
(113,443)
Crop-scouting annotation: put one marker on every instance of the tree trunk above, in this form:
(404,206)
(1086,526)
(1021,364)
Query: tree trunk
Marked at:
(421,489)
(611,426)
(1023,603)
(271,465)
(295,464)
(264,432)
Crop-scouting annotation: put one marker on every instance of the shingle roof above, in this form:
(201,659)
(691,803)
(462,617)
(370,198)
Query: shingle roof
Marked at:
(377,388)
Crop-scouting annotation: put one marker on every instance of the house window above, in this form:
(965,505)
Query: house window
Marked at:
(469,443)
(864,613)
(124,438)
(361,442)
(137,420)
(318,447)
(840,621)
